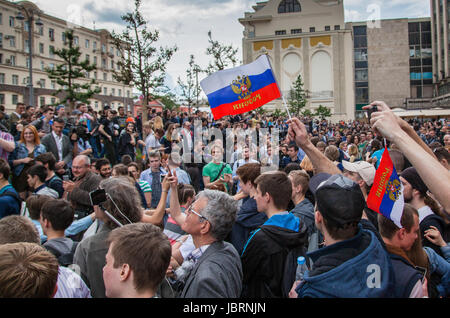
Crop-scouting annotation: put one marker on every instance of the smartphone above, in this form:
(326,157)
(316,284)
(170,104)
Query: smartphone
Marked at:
(66,177)
(97,196)
(371,111)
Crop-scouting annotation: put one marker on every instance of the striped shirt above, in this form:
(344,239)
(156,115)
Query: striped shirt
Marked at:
(145,186)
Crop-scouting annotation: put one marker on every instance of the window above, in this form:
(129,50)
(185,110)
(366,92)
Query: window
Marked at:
(280,32)
(15,99)
(312,29)
(13,60)
(96,104)
(337,27)
(76,40)
(120,93)
(105,91)
(51,34)
(27,46)
(362,95)
(360,54)
(296,31)
(112,64)
(88,58)
(287,6)
(41,30)
(1,40)
(361,75)
(113,91)
(2,78)
(15,79)
(41,48)
(103,48)
(2,98)
(128,94)
(118,53)
(27,63)
(26,26)
(95,75)
(1,58)
(327,28)
(63,37)
(12,41)
(51,50)
(95,60)
(51,66)
(104,63)
(41,101)
(94,45)
(86,43)
(53,84)
(12,22)
(1,21)
(53,100)
(111,50)
(105,76)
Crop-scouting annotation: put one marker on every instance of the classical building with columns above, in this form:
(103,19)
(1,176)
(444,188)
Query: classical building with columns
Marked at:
(306,38)
(47,34)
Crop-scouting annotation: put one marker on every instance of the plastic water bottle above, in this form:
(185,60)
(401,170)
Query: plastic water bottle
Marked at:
(301,268)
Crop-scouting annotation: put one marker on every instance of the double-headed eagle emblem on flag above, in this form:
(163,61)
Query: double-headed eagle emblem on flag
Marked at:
(241,86)
(394,189)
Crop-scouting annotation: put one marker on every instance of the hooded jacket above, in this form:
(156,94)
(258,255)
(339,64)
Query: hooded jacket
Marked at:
(357,267)
(265,254)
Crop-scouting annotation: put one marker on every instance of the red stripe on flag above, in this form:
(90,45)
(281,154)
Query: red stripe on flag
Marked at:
(256,99)
(380,182)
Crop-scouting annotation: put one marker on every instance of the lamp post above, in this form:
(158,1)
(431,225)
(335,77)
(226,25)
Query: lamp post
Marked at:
(29,18)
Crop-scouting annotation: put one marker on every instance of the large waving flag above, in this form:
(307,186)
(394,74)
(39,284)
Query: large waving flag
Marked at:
(386,195)
(241,89)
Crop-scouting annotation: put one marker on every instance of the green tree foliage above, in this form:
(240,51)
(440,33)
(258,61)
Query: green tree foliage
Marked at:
(297,98)
(322,112)
(224,56)
(143,64)
(71,74)
(190,90)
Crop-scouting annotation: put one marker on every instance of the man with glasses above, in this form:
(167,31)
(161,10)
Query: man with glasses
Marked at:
(212,268)
(85,181)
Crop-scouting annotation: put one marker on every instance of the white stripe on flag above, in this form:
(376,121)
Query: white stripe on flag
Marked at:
(397,209)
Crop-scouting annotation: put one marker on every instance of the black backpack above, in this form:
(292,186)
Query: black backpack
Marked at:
(63,259)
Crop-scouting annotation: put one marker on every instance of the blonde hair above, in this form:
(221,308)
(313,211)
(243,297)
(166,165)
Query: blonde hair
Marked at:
(158,123)
(353,152)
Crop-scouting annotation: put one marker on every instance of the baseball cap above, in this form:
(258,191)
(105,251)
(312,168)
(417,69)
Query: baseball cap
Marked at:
(338,198)
(363,168)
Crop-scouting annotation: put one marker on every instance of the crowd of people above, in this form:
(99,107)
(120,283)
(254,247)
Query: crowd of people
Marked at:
(104,204)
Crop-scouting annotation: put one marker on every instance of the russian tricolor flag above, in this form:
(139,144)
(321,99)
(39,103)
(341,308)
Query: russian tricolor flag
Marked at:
(241,89)
(386,195)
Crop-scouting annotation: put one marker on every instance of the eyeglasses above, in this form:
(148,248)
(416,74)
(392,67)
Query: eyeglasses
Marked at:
(190,210)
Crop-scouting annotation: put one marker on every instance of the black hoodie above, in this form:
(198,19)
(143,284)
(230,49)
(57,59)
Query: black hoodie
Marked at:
(265,254)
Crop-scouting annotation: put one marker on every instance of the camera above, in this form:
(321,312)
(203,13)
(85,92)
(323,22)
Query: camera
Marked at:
(97,196)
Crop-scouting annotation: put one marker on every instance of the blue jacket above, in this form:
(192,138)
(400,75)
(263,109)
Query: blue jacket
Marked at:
(9,205)
(358,262)
(21,152)
(442,267)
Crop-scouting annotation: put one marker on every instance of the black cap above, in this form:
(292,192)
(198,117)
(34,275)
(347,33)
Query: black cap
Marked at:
(411,175)
(338,198)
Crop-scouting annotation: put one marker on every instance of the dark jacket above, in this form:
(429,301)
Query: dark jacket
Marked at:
(349,269)
(305,212)
(80,194)
(265,254)
(436,221)
(248,219)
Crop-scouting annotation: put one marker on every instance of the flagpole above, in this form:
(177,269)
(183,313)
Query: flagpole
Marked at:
(285,105)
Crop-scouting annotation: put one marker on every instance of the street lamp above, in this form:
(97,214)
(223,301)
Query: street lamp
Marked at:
(29,18)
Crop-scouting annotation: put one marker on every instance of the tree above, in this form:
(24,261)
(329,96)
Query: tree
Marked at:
(322,112)
(71,75)
(143,64)
(190,90)
(297,100)
(307,113)
(224,56)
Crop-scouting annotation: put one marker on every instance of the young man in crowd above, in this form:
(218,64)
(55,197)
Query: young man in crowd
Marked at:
(136,262)
(265,253)
(52,181)
(37,175)
(10,202)
(103,167)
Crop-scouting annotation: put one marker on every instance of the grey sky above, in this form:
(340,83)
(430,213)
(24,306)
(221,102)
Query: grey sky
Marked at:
(187,22)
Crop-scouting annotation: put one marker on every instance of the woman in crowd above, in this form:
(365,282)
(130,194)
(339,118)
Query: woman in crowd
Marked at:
(128,141)
(120,170)
(135,172)
(22,158)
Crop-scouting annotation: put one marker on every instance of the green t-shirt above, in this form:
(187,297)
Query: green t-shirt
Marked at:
(212,169)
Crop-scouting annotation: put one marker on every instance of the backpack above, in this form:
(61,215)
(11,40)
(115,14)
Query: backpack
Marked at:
(63,259)
(290,268)
(14,195)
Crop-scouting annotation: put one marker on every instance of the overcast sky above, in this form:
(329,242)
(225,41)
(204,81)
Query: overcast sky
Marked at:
(186,22)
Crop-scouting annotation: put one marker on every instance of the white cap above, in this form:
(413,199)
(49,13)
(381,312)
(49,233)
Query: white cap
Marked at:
(365,170)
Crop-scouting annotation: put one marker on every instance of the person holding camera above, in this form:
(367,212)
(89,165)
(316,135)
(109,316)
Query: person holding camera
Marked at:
(109,132)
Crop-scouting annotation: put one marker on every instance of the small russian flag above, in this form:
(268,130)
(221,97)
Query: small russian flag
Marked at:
(386,195)
(241,89)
